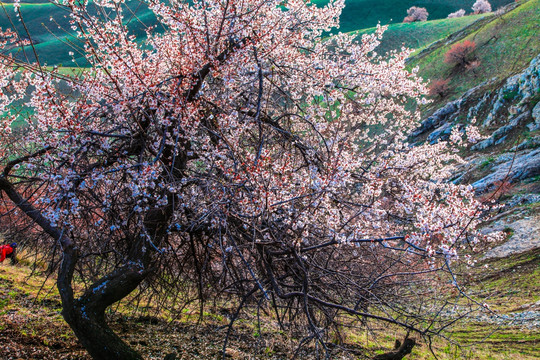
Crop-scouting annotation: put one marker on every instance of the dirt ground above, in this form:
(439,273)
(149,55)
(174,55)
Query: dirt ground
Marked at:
(31,326)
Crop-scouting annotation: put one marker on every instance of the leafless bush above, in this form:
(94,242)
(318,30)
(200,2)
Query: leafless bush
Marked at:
(439,88)
(460,54)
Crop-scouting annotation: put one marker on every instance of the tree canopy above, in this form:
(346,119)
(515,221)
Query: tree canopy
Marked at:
(239,155)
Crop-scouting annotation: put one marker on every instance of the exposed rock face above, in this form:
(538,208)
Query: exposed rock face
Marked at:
(525,237)
(531,143)
(449,113)
(509,107)
(536,117)
(521,167)
(517,90)
(441,116)
(499,135)
(509,110)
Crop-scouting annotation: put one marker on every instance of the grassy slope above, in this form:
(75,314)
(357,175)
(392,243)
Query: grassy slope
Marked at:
(36,18)
(357,14)
(360,14)
(31,325)
(53,39)
(504,46)
(417,35)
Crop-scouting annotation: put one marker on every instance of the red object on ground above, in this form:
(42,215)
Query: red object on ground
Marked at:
(4,251)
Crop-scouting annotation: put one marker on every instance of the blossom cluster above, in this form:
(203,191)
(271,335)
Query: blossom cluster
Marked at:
(241,112)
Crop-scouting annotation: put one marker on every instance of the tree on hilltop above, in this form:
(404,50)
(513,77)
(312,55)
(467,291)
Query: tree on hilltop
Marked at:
(481,7)
(457,14)
(415,13)
(233,157)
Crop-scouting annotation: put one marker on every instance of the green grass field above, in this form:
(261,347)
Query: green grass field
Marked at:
(49,28)
(417,35)
(54,42)
(361,14)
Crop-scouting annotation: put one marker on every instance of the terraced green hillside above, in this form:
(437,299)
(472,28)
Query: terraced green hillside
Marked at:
(361,14)
(417,35)
(504,46)
(47,25)
(54,42)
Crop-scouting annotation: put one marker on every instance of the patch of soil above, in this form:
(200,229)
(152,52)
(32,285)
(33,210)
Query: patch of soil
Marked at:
(18,344)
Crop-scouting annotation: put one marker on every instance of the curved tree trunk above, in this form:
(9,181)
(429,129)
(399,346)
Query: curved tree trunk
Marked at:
(86,315)
(96,336)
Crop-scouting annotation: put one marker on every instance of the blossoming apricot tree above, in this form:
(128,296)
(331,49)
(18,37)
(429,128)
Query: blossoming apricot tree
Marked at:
(236,154)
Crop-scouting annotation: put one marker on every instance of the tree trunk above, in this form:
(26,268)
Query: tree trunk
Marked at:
(86,315)
(96,336)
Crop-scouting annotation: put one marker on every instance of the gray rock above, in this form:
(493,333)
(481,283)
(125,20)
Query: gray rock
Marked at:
(523,199)
(532,143)
(511,98)
(442,132)
(499,135)
(536,112)
(502,158)
(475,110)
(517,90)
(483,144)
(525,237)
(438,118)
(533,126)
(536,117)
(524,166)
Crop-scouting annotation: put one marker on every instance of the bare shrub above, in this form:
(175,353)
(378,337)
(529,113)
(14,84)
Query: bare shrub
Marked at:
(457,14)
(439,88)
(460,54)
(416,14)
(481,7)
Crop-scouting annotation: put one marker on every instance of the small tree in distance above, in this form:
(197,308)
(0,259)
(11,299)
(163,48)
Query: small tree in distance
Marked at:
(457,14)
(460,54)
(438,88)
(230,158)
(481,7)
(416,14)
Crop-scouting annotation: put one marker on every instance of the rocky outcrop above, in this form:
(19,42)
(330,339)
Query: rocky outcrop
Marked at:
(518,168)
(536,117)
(531,143)
(525,236)
(510,106)
(499,135)
(448,114)
(444,115)
(516,93)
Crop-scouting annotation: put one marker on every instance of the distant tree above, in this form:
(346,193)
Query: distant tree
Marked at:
(457,14)
(438,88)
(481,7)
(229,157)
(416,14)
(460,54)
